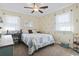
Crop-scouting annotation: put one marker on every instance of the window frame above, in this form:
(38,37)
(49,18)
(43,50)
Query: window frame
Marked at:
(64,25)
(11,25)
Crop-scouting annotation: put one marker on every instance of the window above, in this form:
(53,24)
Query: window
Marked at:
(11,23)
(63,22)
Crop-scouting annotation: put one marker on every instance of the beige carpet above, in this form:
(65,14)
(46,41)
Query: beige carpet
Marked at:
(53,50)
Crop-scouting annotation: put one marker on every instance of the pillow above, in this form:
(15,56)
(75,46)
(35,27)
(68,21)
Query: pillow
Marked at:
(34,31)
(25,31)
(30,31)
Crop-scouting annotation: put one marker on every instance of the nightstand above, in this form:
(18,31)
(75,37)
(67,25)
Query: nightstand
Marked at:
(16,37)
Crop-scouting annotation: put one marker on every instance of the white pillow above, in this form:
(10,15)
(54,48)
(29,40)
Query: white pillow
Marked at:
(25,31)
(34,31)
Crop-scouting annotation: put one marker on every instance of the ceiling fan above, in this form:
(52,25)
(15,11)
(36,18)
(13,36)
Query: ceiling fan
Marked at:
(37,8)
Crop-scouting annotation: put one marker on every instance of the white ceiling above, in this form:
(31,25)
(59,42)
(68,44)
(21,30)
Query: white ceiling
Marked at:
(19,7)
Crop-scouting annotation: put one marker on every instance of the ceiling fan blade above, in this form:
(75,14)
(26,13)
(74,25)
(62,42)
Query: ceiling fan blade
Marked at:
(28,7)
(44,7)
(32,11)
(40,11)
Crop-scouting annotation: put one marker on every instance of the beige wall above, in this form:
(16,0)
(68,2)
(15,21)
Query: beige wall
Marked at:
(47,23)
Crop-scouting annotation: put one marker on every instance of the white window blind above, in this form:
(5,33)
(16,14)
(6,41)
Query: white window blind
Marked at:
(11,22)
(64,22)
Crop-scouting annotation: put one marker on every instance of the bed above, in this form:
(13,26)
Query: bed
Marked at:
(36,41)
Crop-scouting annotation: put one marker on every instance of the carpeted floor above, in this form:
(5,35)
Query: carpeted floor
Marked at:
(52,50)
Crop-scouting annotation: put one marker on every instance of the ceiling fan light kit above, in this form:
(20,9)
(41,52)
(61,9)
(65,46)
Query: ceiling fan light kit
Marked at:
(36,8)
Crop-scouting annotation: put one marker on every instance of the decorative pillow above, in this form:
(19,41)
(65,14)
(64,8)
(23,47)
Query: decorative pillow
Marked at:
(30,31)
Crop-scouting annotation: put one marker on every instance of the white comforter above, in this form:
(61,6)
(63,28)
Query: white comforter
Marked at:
(36,41)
